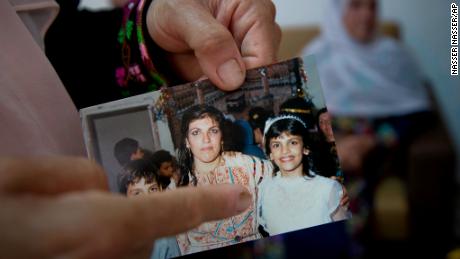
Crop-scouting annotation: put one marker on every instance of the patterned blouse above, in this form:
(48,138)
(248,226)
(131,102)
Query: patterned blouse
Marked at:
(236,169)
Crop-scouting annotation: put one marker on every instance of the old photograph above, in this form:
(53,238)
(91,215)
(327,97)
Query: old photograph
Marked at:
(273,136)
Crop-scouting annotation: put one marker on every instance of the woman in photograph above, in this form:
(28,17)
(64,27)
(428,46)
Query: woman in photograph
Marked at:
(203,162)
(295,197)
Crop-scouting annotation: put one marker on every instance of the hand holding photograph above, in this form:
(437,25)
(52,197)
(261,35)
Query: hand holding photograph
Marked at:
(273,136)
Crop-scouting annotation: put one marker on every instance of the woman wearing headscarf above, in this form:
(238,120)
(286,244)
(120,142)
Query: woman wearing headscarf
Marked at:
(375,93)
(372,85)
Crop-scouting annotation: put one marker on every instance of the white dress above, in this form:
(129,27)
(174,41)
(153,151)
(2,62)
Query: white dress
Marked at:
(292,203)
(233,169)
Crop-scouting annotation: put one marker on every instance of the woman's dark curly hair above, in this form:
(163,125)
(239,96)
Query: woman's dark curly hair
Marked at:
(185,156)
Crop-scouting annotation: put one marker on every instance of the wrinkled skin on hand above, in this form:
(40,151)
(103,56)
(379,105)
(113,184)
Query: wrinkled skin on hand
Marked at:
(60,207)
(219,39)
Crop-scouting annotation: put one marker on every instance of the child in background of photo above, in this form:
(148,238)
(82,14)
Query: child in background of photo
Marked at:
(167,166)
(126,150)
(257,116)
(246,138)
(142,178)
(295,197)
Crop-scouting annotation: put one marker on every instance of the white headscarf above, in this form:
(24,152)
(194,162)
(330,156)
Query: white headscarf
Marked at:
(376,79)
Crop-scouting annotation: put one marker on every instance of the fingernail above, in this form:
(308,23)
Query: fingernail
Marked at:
(231,74)
(244,200)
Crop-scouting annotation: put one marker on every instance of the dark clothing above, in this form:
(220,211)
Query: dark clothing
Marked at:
(81,46)
(98,55)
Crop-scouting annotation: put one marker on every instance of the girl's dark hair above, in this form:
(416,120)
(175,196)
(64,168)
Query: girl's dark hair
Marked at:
(293,127)
(142,168)
(185,156)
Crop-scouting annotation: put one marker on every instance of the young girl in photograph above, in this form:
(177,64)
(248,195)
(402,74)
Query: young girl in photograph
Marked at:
(295,197)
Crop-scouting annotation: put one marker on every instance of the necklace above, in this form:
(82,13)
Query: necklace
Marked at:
(208,176)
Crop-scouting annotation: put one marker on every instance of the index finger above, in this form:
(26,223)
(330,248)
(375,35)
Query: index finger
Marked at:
(112,221)
(188,207)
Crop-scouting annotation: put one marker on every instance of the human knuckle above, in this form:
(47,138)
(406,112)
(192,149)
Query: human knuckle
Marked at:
(169,4)
(87,166)
(265,8)
(214,40)
(277,32)
(193,209)
(271,9)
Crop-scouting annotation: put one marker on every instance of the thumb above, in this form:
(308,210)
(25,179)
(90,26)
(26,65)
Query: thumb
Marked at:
(191,27)
(220,59)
